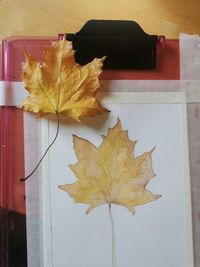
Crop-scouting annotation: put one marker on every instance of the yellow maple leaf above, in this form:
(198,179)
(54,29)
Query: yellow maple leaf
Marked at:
(60,85)
(110,174)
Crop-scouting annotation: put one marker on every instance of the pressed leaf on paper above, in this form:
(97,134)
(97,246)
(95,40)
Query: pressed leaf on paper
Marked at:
(110,173)
(60,85)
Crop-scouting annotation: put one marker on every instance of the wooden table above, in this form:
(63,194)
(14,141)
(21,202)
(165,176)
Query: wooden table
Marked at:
(47,18)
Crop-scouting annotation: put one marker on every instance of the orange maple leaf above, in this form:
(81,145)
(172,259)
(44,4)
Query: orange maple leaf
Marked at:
(110,174)
(60,85)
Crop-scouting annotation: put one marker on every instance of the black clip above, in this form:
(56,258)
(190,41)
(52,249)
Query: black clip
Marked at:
(124,43)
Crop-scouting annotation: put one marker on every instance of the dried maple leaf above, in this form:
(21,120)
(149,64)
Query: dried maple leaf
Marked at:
(110,174)
(60,85)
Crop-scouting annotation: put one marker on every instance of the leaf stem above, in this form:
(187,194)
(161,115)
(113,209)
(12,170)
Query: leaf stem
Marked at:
(21,179)
(114,262)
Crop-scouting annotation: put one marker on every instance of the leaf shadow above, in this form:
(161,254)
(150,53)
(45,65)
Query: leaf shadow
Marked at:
(92,122)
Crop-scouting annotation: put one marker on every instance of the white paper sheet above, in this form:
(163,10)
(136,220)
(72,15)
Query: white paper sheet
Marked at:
(189,70)
(159,234)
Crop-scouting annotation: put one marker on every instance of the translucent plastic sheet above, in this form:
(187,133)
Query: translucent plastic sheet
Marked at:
(12,201)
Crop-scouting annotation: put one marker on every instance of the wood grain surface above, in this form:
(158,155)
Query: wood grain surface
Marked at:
(47,18)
